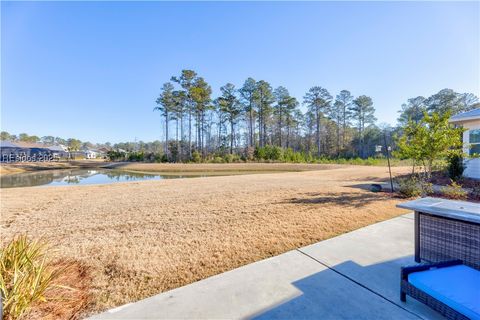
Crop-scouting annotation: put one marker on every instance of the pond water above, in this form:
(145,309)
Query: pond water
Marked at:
(80,177)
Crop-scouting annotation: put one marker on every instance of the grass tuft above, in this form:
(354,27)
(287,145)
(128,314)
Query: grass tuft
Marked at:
(26,275)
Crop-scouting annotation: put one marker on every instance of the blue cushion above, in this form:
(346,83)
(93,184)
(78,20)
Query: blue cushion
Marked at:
(458,287)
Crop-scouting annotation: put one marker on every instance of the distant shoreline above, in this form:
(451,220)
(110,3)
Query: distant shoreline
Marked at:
(173,168)
(21,167)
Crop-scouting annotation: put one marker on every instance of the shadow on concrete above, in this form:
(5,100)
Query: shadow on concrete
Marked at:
(343,293)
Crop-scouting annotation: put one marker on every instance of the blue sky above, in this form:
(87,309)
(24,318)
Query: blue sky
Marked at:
(92,70)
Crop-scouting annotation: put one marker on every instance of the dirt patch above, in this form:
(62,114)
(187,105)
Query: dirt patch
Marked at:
(142,238)
(69,300)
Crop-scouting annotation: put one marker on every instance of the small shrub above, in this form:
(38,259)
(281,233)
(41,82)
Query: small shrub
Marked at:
(249,154)
(274,153)
(196,157)
(26,276)
(408,187)
(217,160)
(229,158)
(455,167)
(426,188)
(260,153)
(455,191)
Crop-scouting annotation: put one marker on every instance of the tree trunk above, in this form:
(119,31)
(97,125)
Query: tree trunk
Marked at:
(196,130)
(178,144)
(318,133)
(219,130)
(190,133)
(280,129)
(288,131)
(181,137)
(166,136)
(231,136)
(344,126)
(260,126)
(251,126)
(203,134)
(338,139)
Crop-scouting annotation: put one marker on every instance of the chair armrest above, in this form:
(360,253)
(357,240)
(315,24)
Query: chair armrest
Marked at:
(405,271)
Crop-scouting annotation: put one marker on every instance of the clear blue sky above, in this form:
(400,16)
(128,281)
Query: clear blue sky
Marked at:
(92,70)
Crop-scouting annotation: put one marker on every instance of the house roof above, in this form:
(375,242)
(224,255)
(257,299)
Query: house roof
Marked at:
(22,144)
(56,148)
(8,144)
(466,116)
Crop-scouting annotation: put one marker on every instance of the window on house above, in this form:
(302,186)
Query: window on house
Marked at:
(474,138)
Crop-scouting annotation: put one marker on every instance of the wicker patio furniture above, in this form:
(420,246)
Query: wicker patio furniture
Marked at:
(447,242)
(446,230)
(451,288)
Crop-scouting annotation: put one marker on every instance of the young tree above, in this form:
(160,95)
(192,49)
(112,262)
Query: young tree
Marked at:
(249,95)
(318,101)
(432,138)
(363,113)
(230,106)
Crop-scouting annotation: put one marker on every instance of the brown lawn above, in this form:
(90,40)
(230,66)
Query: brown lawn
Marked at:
(140,238)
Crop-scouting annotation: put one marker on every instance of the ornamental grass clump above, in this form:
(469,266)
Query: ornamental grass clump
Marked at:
(455,191)
(27,274)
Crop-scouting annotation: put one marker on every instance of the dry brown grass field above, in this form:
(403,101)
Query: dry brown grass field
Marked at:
(141,238)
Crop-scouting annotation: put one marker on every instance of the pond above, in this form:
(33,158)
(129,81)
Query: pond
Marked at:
(81,177)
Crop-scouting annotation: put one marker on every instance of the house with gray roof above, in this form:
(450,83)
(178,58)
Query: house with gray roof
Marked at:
(23,152)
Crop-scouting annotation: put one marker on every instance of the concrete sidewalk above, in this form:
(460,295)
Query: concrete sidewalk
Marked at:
(352,276)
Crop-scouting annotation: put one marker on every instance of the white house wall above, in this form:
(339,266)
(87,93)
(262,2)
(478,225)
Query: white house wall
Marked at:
(472,169)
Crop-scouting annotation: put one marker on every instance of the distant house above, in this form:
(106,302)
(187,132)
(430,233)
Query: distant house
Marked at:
(90,154)
(59,151)
(23,151)
(102,152)
(470,120)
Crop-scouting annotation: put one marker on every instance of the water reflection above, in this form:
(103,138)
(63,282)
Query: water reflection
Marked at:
(77,177)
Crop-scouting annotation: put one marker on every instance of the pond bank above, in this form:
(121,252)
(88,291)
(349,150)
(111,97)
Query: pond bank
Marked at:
(164,168)
(21,167)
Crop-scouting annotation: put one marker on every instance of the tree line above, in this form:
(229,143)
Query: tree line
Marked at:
(258,122)
(256,115)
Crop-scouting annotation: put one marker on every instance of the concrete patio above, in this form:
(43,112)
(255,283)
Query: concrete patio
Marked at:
(352,276)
